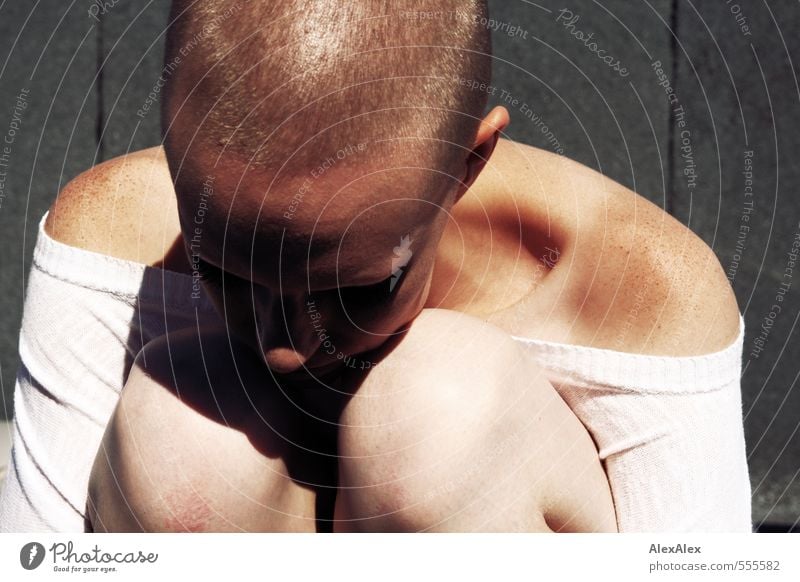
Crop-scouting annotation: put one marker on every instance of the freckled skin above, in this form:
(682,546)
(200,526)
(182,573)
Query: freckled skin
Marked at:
(613,244)
(517,241)
(627,277)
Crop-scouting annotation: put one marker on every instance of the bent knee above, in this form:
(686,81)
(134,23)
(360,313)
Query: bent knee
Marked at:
(168,463)
(424,439)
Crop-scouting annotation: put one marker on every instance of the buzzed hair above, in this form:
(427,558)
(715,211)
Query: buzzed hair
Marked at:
(284,83)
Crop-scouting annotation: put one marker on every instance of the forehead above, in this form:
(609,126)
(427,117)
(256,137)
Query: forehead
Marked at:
(325,232)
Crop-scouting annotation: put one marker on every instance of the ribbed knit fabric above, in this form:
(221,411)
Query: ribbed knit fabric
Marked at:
(86,317)
(669,430)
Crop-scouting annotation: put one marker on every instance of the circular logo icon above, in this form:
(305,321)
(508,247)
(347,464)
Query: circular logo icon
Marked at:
(31,555)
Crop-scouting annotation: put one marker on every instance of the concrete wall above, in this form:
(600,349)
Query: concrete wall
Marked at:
(731,67)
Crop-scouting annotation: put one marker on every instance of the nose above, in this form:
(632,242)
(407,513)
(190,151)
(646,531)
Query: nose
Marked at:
(285,331)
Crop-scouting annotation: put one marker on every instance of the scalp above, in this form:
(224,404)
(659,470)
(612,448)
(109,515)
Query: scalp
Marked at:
(292,82)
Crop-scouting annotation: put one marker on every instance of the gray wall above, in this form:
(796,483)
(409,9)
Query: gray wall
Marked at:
(738,89)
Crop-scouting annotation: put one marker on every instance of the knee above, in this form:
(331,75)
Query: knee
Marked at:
(181,457)
(423,435)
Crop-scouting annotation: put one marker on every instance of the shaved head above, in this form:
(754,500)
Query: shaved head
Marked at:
(285,84)
(316,149)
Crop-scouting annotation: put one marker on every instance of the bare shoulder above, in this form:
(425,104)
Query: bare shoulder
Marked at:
(651,285)
(123,207)
(527,168)
(637,279)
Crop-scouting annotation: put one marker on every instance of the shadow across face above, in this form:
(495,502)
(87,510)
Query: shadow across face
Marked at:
(313,289)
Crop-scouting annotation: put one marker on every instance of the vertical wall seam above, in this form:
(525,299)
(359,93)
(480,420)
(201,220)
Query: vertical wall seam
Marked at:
(670,194)
(100,119)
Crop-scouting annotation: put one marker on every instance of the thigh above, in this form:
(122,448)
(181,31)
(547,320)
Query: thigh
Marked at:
(201,440)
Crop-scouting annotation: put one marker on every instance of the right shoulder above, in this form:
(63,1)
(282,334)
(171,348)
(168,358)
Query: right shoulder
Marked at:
(118,208)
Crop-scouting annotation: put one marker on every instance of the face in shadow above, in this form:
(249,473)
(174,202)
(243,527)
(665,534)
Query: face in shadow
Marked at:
(317,268)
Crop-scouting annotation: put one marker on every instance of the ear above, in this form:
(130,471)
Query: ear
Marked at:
(485,141)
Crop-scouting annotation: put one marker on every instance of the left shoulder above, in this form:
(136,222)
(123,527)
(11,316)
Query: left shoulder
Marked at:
(658,287)
(634,278)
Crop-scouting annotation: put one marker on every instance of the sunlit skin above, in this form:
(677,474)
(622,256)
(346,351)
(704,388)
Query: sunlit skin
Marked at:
(612,243)
(338,252)
(456,429)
